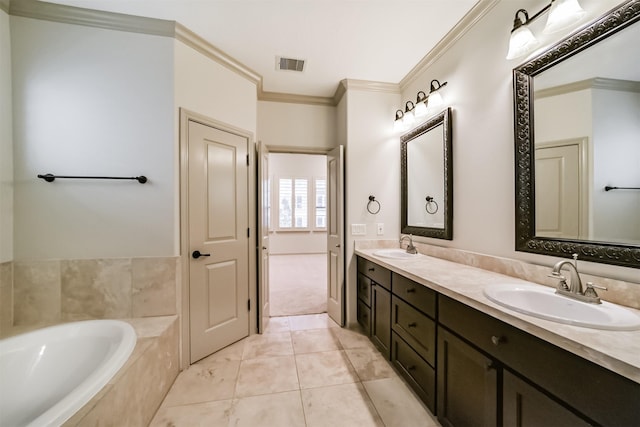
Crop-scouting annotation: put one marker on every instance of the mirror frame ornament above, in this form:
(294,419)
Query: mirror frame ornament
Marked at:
(617,19)
(443,118)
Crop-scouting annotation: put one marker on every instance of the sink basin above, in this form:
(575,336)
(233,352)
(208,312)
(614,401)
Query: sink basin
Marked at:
(543,302)
(395,253)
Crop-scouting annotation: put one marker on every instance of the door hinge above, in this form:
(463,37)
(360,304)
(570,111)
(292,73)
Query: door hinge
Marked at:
(249,305)
(248,232)
(247,160)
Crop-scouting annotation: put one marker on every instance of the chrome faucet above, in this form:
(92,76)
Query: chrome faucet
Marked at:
(574,289)
(410,248)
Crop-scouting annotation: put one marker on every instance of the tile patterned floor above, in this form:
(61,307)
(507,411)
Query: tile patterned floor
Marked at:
(304,371)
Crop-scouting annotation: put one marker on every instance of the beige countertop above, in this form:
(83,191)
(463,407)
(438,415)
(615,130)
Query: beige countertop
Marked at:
(618,351)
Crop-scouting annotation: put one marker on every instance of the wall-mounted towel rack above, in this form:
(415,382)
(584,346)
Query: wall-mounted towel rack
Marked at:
(50,177)
(609,188)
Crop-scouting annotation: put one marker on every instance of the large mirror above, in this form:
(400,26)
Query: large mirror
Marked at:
(578,162)
(426,179)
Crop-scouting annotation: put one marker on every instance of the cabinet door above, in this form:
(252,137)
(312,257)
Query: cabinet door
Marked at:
(467,384)
(381,319)
(525,406)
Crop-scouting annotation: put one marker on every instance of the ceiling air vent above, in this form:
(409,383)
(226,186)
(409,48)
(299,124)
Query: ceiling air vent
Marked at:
(289,64)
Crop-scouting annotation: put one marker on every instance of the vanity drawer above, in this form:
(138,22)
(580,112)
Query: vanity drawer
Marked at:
(364,289)
(419,296)
(415,328)
(415,370)
(364,317)
(574,380)
(378,274)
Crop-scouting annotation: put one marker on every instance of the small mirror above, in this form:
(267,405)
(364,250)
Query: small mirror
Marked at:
(426,178)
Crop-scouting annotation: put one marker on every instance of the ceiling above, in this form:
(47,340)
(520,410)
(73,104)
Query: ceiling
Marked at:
(374,40)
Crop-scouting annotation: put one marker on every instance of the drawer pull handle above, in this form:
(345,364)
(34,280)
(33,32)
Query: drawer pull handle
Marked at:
(411,368)
(411,290)
(497,340)
(372,269)
(412,325)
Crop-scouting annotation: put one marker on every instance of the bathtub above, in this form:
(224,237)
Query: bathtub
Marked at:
(49,374)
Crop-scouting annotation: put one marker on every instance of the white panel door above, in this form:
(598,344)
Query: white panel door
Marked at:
(335,235)
(218,240)
(264,218)
(558,191)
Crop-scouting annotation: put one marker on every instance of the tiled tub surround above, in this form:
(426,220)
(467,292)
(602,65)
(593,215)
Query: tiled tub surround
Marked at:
(45,292)
(618,351)
(134,394)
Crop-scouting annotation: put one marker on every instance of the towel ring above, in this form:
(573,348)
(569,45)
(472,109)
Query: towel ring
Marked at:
(372,200)
(431,201)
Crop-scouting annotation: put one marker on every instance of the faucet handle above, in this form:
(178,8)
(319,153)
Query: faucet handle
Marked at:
(562,281)
(590,292)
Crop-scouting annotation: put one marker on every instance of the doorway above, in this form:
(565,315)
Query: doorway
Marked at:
(298,234)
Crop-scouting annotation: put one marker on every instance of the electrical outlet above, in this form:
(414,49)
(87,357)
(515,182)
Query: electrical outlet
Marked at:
(380,229)
(358,229)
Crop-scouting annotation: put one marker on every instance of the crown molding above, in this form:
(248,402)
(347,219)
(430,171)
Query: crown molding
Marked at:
(191,39)
(462,27)
(294,99)
(91,18)
(596,83)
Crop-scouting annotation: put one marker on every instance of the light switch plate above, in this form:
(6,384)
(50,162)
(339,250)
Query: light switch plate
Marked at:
(358,229)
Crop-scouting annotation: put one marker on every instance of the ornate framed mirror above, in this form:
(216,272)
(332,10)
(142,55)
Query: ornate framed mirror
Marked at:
(584,94)
(427,179)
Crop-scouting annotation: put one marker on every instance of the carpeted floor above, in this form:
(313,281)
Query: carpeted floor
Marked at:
(298,284)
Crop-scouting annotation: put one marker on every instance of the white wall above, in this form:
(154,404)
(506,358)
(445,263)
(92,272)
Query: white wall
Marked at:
(91,101)
(372,168)
(480,92)
(284,165)
(616,126)
(6,143)
(297,125)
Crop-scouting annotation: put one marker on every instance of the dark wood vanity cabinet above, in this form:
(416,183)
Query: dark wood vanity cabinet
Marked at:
(472,369)
(537,383)
(374,303)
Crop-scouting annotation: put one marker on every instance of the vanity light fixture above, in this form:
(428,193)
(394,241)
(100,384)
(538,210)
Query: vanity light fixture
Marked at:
(409,118)
(424,106)
(398,125)
(562,14)
(434,100)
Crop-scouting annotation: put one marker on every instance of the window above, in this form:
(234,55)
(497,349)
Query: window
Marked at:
(321,203)
(295,208)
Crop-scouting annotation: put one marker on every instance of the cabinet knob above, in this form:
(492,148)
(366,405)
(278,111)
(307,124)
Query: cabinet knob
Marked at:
(496,340)
(490,366)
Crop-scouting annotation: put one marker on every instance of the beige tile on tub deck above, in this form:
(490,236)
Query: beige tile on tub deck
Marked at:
(96,288)
(339,405)
(325,368)
(197,415)
(267,375)
(153,282)
(36,292)
(278,409)
(205,382)
(397,405)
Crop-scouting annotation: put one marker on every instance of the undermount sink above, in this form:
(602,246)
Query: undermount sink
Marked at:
(395,253)
(543,302)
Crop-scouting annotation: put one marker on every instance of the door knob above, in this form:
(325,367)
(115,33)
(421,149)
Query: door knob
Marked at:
(198,254)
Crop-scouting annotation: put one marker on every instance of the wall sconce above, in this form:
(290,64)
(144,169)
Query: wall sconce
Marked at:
(562,14)
(425,105)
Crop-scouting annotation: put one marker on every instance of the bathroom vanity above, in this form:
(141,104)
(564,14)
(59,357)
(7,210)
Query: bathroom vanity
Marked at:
(473,362)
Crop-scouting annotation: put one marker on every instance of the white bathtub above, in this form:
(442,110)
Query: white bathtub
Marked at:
(49,374)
